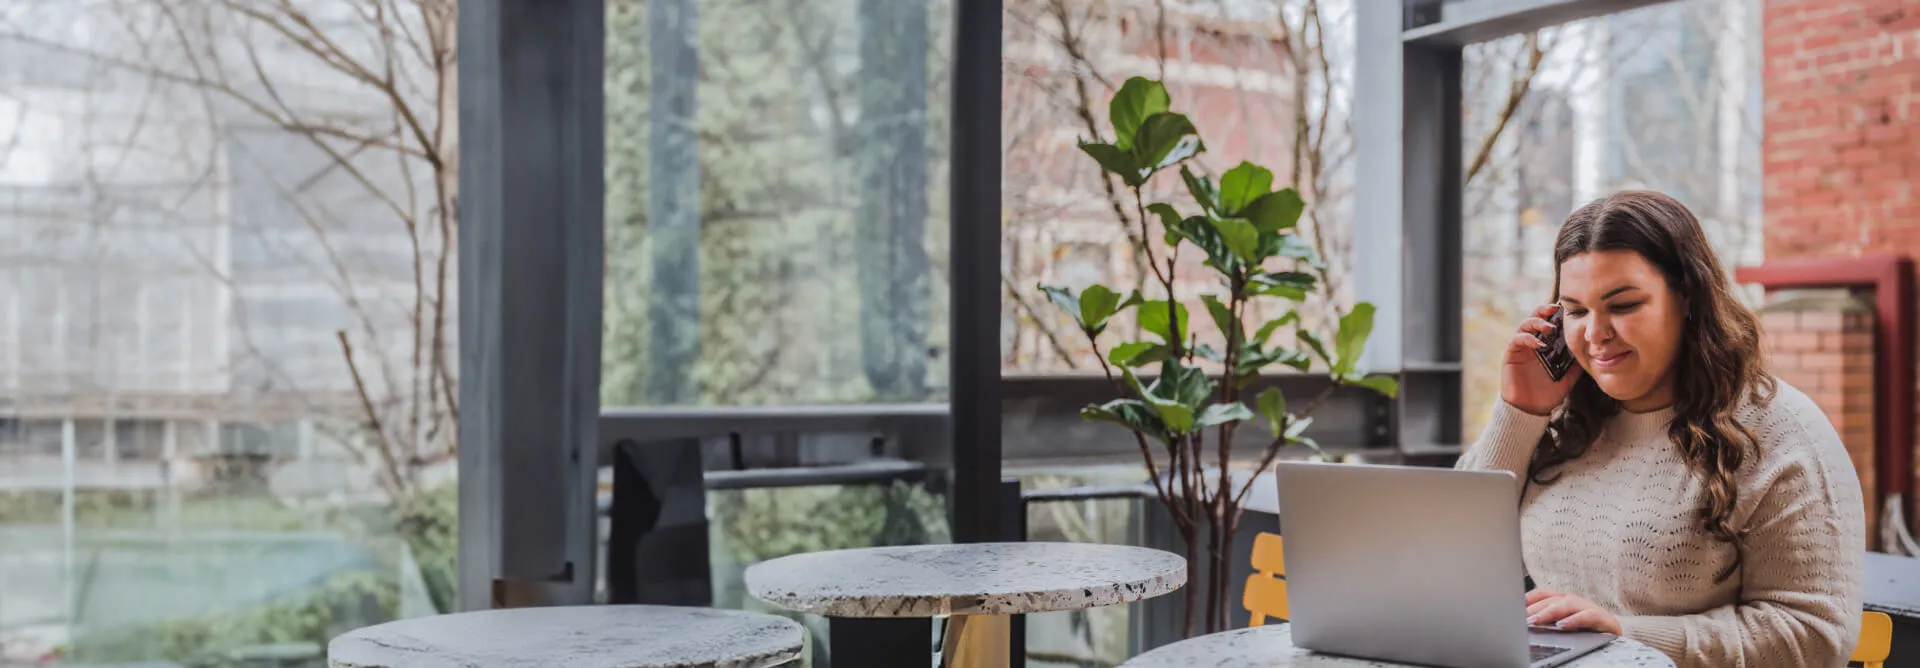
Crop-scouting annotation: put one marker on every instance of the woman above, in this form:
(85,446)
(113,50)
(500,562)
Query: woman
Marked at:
(1673,492)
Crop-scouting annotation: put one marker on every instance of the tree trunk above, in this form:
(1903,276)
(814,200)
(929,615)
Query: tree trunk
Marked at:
(673,205)
(890,234)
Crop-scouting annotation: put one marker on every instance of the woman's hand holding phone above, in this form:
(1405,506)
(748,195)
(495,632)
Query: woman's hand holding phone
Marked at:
(1524,380)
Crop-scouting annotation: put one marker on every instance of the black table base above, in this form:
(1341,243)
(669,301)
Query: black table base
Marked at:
(855,642)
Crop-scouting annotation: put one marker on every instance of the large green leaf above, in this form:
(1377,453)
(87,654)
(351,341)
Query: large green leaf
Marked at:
(1284,284)
(1222,317)
(1318,454)
(1351,340)
(1266,330)
(1273,406)
(1297,425)
(1116,160)
(1169,220)
(1133,381)
(1062,298)
(1201,189)
(1275,211)
(1155,319)
(1175,395)
(1097,304)
(1293,247)
(1169,216)
(1217,414)
(1254,359)
(1130,413)
(1242,185)
(1313,341)
(1176,416)
(1386,385)
(1299,360)
(1206,351)
(1203,234)
(1137,353)
(1165,139)
(1188,386)
(1240,238)
(1138,99)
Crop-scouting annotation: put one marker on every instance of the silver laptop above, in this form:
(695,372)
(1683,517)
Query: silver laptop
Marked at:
(1412,564)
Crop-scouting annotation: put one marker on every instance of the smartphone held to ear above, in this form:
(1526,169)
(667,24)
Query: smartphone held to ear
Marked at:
(1555,356)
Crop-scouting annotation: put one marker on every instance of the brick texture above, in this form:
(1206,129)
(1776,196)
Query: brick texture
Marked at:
(1841,154)
(1842,142)
(1824,346)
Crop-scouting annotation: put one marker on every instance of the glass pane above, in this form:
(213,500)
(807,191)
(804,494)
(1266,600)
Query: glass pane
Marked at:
(226,327)
(754,525)
(1664,98)
(776,202)
(1096,636)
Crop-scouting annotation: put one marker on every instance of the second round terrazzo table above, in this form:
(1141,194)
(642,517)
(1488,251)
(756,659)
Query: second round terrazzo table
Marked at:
(1272,646)
(876,598)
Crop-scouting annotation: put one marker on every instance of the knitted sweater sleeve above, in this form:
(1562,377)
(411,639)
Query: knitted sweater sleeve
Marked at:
(1507,443)
(1802,561)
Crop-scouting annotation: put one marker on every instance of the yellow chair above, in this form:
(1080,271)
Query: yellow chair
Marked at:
(1876,640)
(1266,592)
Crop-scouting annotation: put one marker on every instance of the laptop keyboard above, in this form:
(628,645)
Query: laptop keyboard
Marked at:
(1538,652)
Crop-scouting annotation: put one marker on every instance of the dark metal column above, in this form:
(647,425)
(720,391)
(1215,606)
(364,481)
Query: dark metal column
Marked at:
(1430,310)
(530,282)
(975,229)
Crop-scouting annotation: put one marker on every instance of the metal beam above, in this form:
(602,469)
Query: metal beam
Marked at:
(1043,423)
(1039,417)
(1463,22)
(1380,262)
(974,229)
(530,288)
(1432,183)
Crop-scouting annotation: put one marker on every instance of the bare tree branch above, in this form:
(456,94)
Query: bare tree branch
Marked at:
(1516,93)
(1033,315)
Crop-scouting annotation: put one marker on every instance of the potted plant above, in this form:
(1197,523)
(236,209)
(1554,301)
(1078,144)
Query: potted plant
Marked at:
(1252,245)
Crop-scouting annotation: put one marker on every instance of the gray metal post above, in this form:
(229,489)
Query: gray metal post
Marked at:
(530,289)
(1379,265)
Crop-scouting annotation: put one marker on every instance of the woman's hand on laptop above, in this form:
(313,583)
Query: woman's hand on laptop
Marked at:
(1546,607)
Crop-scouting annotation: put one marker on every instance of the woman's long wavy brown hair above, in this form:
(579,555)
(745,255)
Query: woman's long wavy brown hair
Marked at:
(1717,367)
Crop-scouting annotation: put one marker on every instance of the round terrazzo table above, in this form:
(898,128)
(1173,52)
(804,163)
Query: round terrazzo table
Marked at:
(599,636)
(1273,646)
(877,599)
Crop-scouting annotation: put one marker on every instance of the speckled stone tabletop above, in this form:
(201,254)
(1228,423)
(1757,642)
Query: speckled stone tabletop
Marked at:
(1272,647)
(965,579)
(599,636)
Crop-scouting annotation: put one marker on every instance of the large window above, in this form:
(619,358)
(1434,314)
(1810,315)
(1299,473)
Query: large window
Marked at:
(226,325)
(776,202)
(1665,97)
(777,236)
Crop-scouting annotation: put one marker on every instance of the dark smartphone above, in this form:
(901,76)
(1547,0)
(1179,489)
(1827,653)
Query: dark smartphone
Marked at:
(1555,355)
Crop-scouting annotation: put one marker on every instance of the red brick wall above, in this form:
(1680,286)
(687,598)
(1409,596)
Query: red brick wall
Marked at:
(1824,347)
(1841,150)
(1842,143)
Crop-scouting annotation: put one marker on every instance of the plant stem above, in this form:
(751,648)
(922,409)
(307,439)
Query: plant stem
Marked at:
(1193,546)
(1146,453)
(1146,246)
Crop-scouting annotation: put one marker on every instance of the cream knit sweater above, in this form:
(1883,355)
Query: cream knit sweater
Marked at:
(1621,528)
